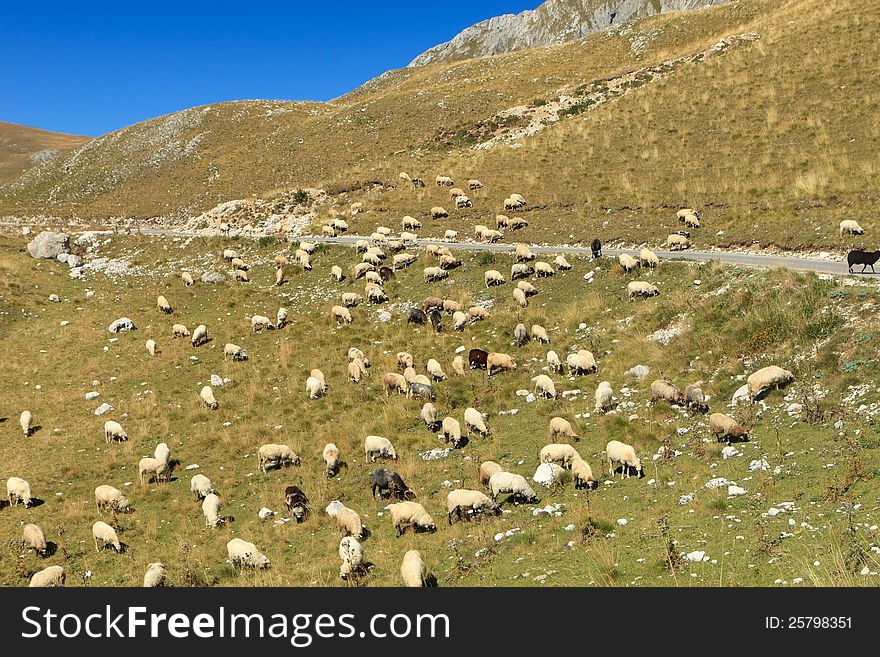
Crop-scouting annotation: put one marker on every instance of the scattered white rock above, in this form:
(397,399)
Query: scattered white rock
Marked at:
(547,473)
(121,324)
(92,395)
(265,512)
(103,408)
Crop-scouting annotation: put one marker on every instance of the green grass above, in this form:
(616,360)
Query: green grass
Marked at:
(805,324)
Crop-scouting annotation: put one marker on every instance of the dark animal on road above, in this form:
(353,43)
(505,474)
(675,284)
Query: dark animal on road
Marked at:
(863,258)
(596,248)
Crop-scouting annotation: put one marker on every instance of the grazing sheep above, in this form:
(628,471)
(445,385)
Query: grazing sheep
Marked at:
(474,184)
(328,231)
(238,263)
(449,262)
(514,202)
(260,322)
(356,354)
(341,314)
(662,390)
(452,431)
(281,261)
(544,269)
(625,455)
(499,362)
(544,386)
(724,427)
(410,223)
(151,347)
(513,484)
(475,421)
(376,294)
(351,299)
(689,218)
(332,459)
(529,289)
(382,480)
(26,421)
(582,474)
(695,399)
(642,289)
(420,389)
(279,276)
(179,331)
(242,553)
(353,562)
(336,272)
(114,431)
(211,510)
(523,253)
(349,522)
(458,366)
(429,415)
(360,270)
(648,258)
(207,396)
(463,201)
(200,335)
(677,242)
(297,503)
(477,313)
(487,469)
(553,362)
(561,426)
(108,497)
(603,396)
(393,382)
(373,278)
(234,351)
(561,262)
(682,214)
(520,297)
(155,575)
(356,371)
(520,334)
(850,227)
(459,320)
(51,576)
(627,262)
(340,224)
(438,212)
(582,362)
(444,181)
(378,446)
(414,571)
(768,378)
(276,456)
(410,515)
(493,277)
(435,370)
(105,535)
(431,274)
(491,236)
(404,360)
(201,486)
(187,278)
(153,468)
(229,255)
(539,333)
(520,270)
(33,537)
(562,453)
(241,276)
(163,305)
(464,503)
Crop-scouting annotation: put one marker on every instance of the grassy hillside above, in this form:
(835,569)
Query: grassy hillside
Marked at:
(23,147)
(773,139)
(819,437)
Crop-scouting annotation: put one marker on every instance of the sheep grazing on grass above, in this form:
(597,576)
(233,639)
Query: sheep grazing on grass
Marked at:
(429,415)
(561,263)
(493,277)
(332,459)
(690,219)
(648,258)
(297,503)
(410,223)
(393,382)
(420,390)
(260,322)
(382,481)
(458,367)
(241,276)
(279,276)
(34,538)
(229,255)
(559,426)
(487,469)
(662,390)
(513,484)
(341,314)
(281,261)
(152,468)
(18,490)
(356,371)
(404,360)
(432,274)
(163,305)
(682,214)
(544,386)
(378,446)
(623,454)
(581,362)
(603,396)
(642,289)
(51,576)
(201,486)
(523,253)
(475,421)
(499,362)
(207,396)
(520,297)
(725,428)
(238,263)
(539,333)
(244,554)
(627,262)
(200,335)
(155,576)
(452,431)
(105,535)
(767,379)
(336,273)
(582,474)
(26,421)
(553,362)
(459,320)
(411,515)
(529,289)
(179,331)
(108,497)
(151,347)
(520,270)
(349,522)
(477,313)
(474,184)
(676,242)
(466,504)
(463,202)
(187,278)
(444,181)
(211,510)
(234,352)
(544,269)
(414,570)
(438,212)
(851,227)
(695,399)
(561,453)
(354,564)
(435,370)
(272,455)
(114,431)
(520,334)
(315,385)
(375,294)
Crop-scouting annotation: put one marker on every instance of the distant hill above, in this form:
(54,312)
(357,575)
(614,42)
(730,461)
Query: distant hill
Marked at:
(22,147)
(554,22)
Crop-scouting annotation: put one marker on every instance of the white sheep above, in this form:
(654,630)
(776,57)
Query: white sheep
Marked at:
(539,333)
(677,242)
(582,474)
(493,277)
(163,305)
(211,510)
(242,553)
(464,503)
(553,362)
(648,258)
(187,278)
(200,335)
(260,322)
(487,469)
(582,362)
(544,269)
(114,431)
(109,497)
(18,490)
(625,455)
(201,486)
(274,455)
(435,370)
(241,276)
(352,554)
(429,415)
(603,397)
(558,453)
(450,235)
(431,274)
(378,446)
(51,576)
(341,314)
(458,366)
(459,320)
(642,289)
(410,515)
(544,386)
(332,459)
(229,255)
(627,262)
(336,272)
(26,421)
(561,262)
(851,227)
(162,452)
(152,468)
(444,181)
(179,331)
(452,431)
(768,378)
(151,347)
(561,426)
(105,535)
(155,575)
(349,522)
(513,484)
(475,421)
(234,351)
(523,253)
(207,396)
(34,538)
(314,388)
(413,569)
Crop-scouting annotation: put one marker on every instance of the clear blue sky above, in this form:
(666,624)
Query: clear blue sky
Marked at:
(93,67)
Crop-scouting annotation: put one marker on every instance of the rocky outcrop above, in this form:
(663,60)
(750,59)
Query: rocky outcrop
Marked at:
(49,245)
(555,21)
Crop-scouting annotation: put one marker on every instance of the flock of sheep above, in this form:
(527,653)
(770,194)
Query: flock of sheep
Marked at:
(405,512)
